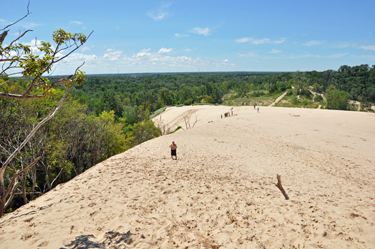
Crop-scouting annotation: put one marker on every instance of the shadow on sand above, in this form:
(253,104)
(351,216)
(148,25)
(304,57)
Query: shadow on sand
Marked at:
(112,239)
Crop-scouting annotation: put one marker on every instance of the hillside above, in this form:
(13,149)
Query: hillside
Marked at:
(221,191)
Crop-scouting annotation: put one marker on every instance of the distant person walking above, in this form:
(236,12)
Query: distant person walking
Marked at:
(258,109)
(173,147)
(254,107)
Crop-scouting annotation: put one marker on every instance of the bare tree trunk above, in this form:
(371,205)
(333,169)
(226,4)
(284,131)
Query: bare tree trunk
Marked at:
(10,190)
(25,200)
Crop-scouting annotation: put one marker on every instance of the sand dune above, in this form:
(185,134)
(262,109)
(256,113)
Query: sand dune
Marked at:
(221,191)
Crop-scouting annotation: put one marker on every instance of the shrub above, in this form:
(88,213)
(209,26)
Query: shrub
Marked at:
(305,102)
(306,93)
(318,98)
(158,111)
(289,92)
(294,100)
(257,94)
(337,99)
(179,127)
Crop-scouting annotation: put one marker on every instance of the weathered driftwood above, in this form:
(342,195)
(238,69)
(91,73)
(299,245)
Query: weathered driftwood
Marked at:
(281,187)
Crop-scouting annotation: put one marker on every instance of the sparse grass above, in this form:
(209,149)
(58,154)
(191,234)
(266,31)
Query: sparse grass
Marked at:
(303,102)
(263,100)
(158,111)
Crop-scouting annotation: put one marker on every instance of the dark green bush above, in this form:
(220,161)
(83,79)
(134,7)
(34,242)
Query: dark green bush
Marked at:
(318,98)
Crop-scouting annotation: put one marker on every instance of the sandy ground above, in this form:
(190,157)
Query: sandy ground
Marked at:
(221,191)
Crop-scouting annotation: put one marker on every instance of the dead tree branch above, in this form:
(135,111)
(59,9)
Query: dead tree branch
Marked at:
(11,186)
(281,187)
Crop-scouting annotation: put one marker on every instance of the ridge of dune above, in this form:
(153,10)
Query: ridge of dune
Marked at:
(221,191)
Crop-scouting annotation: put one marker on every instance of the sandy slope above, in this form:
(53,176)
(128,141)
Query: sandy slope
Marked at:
(221,192)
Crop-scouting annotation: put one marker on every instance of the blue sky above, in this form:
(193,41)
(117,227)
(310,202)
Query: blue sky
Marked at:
(191,36)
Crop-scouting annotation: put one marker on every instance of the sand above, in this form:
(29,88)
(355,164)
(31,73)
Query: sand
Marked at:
(221,191)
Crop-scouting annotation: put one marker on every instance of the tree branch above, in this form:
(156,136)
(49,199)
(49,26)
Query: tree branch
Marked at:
(281,187)
(28,13)
(14,179)
(24,33)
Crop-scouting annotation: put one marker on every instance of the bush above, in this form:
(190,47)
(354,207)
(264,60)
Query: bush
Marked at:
(305,102)
(294,100)
(317,88)
(306,93)
(158,111)
(337,99)
(188,102)
(179,127)
(365,106)
(289,92)
(257,94)
(318,98)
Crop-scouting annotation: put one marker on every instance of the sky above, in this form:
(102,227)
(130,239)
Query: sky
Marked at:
(138,36)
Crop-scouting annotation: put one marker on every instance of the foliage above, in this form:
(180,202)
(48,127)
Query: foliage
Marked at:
(318,98)
(18,151)
(144,131)
(317,88)
(158,111)
(207,99)
(178,128)
(257,94)
(337,99)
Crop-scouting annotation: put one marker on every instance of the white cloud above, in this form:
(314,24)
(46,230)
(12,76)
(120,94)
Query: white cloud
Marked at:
(369,47)
(367,57)
(275,51)
(281,41)
(77,59)
(143,53)
(30,25)
(165,50)
(112,55)
(143,61)
(76,22)
(243,40)
(187,49)
(85,49)
(160,13)
(343,45)
(2,20)
(249,54)
(332,56)
(177,35)
(157,17)
(258,41)
(201,31)
(313,43)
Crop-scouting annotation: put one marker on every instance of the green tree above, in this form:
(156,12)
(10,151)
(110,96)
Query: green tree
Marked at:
(337,99)
(18,57)
(165,96)
(208,99)
(317,88)
(144,131)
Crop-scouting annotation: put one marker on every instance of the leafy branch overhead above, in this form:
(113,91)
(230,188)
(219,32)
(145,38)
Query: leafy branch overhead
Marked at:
(19,60)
